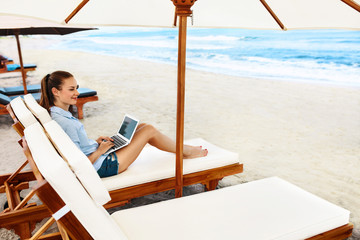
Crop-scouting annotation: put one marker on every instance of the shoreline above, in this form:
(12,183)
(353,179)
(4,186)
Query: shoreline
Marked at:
(305,133)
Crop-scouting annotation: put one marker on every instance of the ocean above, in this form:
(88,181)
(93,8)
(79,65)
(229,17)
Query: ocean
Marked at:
(318,56)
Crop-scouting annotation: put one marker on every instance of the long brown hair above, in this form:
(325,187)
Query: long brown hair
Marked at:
(53,80)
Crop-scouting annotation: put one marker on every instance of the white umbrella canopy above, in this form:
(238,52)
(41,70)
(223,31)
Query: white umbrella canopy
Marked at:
(250,14)
(294,14)
(97,12)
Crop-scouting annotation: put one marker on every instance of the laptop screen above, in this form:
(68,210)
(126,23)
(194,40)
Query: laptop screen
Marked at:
(128,127)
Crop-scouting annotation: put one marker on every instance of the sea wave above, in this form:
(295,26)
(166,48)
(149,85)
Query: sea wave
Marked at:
(149,42)
(215,38)
(329,56)
(258,67)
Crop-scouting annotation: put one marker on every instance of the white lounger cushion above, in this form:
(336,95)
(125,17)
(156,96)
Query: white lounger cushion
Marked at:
(22,112)
(39,112)
(78,162)
(153,164)
(94,217)
(265,209)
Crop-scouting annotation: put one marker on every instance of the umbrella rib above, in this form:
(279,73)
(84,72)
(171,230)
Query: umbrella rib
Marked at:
(175,18)
(352,4)
(76,10)
(281,25)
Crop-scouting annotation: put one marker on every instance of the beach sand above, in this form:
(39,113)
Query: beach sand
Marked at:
(305,133)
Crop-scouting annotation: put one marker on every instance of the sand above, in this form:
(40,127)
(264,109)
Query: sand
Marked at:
(305,133)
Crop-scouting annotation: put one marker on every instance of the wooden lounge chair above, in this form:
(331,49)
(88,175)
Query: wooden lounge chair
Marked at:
(270,208)
(10,68)
(152,172)
(7,67)
(16,67)
(21,215)
(5,60)
(19,90)
(9,93)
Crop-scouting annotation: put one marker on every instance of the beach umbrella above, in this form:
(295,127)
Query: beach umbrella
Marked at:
(19,25)
(249,14)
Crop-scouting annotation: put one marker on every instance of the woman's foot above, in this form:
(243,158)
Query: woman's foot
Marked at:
(194,152)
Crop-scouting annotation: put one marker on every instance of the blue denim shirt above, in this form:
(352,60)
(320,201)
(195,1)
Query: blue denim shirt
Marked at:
(75,130)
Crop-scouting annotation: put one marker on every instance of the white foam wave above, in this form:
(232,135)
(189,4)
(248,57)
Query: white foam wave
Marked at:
(196,46)
(276,69)
(214,38)
(158,43)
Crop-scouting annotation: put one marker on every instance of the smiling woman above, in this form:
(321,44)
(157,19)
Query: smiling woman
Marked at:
(59,93)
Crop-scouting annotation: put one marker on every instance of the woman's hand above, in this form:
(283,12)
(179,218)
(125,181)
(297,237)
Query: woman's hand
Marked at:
(105,143)
(104,146)
(103,138)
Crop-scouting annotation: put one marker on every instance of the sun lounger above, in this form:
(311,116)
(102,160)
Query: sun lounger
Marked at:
(10,68)
(17,67)
(9,93)
(21,215)
(270,208)
(152,172)
(18,90)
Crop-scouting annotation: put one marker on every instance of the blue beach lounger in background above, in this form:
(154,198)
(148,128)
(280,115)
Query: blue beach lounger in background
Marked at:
(9,93)
(10,68)
(14,67)
(19,90)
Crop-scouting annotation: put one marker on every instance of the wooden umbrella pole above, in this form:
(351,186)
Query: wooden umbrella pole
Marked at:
(23,74)
(182,11)
(180,106)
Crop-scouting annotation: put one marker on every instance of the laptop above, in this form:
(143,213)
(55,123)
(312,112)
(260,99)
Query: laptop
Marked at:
(125,134)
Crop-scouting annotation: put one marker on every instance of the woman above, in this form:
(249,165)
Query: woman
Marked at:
(59,93)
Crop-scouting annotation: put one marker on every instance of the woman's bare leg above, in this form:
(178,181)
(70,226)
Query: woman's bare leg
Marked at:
(148,134)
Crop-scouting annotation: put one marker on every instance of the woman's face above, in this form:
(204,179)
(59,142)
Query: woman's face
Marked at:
(68,94)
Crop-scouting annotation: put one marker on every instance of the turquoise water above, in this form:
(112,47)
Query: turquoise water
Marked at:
(327,56)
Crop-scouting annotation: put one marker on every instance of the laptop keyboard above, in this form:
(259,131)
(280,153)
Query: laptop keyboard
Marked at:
(118,142)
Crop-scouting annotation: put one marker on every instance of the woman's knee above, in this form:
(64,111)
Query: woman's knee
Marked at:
(141,125)
(150,129)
